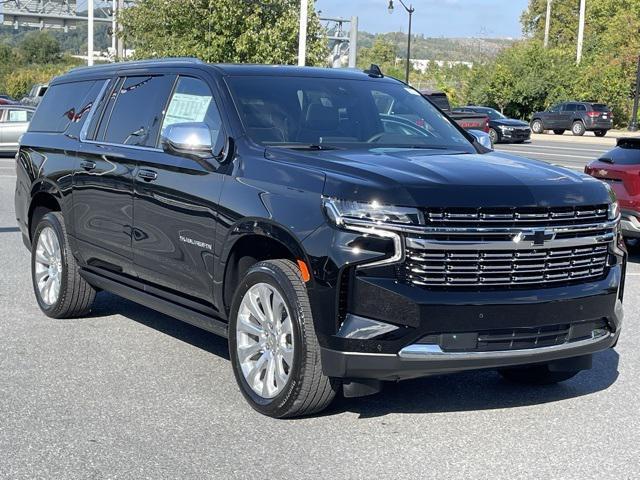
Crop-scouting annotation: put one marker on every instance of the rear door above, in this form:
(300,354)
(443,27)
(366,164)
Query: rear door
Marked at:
(176,201)
(124,134)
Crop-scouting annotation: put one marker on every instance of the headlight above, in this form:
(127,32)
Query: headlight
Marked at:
(504,128)
(374,214)
(614,211)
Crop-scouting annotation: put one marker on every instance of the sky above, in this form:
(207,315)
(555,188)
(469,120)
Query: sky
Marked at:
(433,18)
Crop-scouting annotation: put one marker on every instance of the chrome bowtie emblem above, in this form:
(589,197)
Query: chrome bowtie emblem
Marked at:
(536,236)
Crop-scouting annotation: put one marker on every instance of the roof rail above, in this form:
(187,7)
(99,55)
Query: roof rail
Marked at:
(137,63)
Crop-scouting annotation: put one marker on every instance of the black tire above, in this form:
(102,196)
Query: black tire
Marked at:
(600,133)
(536,375)
(558,132)
(578,128)
(494,136)
(307,390)
(76,295)
(537,126)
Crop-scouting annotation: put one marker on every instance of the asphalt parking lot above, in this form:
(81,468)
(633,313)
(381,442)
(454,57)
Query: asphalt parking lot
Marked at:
(129,393)
(564,150)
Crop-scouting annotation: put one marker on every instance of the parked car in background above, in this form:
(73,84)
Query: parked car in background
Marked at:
(579,117)
(620,168)
(35,95)
(467,120)
(14,121)
(501,128)
(7,100)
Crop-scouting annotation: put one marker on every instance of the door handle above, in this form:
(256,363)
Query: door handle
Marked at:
(88,164)
(147,175)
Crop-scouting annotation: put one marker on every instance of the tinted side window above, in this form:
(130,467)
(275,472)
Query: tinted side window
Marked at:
(59,106)
(581,108)
(568,107)
(192,101)
(137,112)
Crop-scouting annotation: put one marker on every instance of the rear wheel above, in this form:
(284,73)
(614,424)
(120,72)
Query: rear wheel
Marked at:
(60,290)
(578,128)
(536,126)
(273,346)
(536,375)
(558,132)
(600,133)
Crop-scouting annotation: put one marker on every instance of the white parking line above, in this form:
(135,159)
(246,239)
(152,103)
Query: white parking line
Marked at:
(530,152)
(594,150)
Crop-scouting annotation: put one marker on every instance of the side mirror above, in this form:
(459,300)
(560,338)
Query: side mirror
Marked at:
(482,138)
(191,139)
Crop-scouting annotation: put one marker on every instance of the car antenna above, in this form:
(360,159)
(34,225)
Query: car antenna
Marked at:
(374,71)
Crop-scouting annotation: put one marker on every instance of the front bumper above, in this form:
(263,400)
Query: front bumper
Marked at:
(630,224)
(419,361)
(419,314)
(517,135)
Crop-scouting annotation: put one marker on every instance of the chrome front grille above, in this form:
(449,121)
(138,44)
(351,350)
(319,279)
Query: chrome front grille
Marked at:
(499,267)
(535,216)
(508,247)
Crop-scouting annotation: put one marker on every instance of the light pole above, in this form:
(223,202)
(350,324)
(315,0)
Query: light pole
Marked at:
(410,11)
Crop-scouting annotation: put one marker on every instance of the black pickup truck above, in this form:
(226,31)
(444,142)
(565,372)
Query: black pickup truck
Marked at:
(335,242)
(467,120)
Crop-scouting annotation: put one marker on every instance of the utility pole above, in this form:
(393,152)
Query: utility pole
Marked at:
(90,34)
(353,42)
(633,124)
(410,11)
(302,39)
(114,25)
(547,24)
(119,41)
(581,30)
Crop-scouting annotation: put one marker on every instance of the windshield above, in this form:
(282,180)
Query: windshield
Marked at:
(493,114)
(333,112)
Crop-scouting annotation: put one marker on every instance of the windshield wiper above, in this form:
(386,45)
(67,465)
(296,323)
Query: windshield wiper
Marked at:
(305,146)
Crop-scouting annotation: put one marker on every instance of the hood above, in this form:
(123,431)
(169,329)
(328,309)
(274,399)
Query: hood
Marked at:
(510,122)
(421,178)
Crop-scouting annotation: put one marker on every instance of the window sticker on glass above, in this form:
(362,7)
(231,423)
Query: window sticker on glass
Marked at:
(185,108)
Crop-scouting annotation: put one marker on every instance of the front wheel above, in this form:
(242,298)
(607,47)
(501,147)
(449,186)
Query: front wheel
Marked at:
(494,136)
(273,346)
(600,133)
(536,375)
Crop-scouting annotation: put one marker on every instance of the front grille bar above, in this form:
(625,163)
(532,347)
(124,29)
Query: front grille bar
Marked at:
(508,245)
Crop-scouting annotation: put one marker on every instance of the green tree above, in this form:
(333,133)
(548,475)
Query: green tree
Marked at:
(39,47)
(236,31)
(382,53)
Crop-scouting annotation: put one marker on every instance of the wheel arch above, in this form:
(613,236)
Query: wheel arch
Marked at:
(45,197)
(249,242)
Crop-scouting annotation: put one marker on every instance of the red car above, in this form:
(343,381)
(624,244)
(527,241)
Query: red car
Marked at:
(620,168)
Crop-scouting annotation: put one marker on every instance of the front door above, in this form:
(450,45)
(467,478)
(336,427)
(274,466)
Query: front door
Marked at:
(175,203)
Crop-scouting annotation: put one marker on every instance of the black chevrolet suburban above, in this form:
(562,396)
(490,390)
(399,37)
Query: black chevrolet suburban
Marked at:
(335,243)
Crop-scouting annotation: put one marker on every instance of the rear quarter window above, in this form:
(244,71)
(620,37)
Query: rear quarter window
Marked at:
(60,105)
(600,107)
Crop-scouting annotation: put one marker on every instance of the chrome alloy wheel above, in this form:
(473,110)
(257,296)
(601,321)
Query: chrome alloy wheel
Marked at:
(265,342)
(48,266)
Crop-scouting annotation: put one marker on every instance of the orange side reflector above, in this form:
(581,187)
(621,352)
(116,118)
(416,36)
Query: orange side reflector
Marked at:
(304,270)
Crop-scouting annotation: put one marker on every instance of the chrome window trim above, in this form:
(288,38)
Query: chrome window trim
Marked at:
(92,111)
